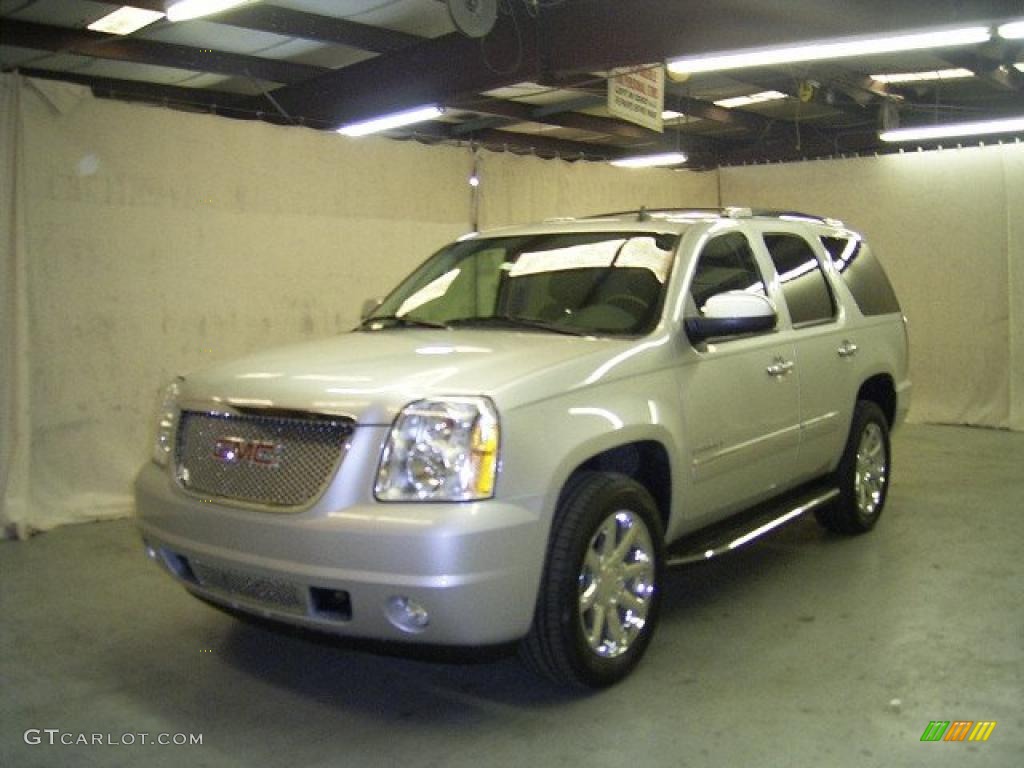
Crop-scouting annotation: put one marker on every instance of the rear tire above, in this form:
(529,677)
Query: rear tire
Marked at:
(863,474)
(598,602)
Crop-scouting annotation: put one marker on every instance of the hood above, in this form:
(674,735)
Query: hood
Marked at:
(370,376)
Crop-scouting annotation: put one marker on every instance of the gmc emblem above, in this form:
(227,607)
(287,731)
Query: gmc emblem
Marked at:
(235,450)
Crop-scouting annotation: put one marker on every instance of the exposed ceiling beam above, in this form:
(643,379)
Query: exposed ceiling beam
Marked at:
(442,71)
(736,118)
(523,143)
(478,124)
(538,114)
(588,101)
(525,113)
(641,140)
(84,42)
(205,99)
(828,85)
(308,26)
(1002,75)
(702,152)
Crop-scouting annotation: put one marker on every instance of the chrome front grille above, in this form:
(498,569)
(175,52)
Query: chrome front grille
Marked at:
(259,459)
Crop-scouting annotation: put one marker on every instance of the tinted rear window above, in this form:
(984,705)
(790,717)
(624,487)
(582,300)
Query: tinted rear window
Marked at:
(863,275)
(803,283)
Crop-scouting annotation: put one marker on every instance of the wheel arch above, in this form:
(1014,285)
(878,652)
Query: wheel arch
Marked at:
(881,390)
(646,461)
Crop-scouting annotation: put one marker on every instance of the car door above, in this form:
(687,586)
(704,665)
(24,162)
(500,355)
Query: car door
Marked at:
(739,397)
(823,347)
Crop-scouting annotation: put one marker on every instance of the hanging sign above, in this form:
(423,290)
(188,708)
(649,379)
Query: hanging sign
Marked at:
(638,95)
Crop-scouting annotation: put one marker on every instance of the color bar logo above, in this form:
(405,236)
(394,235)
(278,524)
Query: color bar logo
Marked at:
(958,730)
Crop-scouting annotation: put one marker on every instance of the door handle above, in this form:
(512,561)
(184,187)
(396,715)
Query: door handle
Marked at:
(847,349)
(780,367)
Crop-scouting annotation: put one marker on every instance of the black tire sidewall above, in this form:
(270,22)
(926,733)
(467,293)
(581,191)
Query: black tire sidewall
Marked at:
(582,516)
(865,413)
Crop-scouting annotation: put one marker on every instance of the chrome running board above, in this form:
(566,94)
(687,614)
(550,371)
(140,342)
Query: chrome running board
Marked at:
(732,535)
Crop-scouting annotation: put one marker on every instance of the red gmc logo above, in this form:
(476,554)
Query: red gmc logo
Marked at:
(235,450)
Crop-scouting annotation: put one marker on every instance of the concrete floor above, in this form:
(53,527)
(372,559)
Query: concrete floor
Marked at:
(805,649)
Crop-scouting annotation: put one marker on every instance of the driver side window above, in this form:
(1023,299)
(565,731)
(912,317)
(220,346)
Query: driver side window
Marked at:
(726,264)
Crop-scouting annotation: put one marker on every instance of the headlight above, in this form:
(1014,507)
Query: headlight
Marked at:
(441,450)
(167,423)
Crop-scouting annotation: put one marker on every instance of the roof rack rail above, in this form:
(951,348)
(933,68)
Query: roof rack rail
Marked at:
(644,214)
(775,213)
(733,212)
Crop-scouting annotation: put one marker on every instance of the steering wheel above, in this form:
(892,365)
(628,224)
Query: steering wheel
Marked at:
(628,302)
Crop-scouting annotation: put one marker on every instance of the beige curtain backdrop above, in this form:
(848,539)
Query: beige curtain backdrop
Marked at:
(140,242)
(949,226)
(14,381)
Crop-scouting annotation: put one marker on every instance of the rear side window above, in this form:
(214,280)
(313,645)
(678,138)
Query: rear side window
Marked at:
(803,282)
(863,275)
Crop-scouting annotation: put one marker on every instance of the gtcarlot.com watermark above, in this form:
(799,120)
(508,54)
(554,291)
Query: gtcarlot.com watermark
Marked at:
(57,737)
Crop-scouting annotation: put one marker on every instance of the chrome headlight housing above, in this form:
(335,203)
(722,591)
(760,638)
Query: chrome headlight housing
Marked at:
(167,423)
(441,450)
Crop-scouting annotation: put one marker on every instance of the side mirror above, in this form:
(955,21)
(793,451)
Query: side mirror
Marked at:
(733,313)
(368,307)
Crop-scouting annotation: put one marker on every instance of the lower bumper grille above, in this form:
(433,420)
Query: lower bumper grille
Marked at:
(270,592)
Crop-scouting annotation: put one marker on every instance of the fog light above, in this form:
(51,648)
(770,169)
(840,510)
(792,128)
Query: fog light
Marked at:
(150,550)
(406,614)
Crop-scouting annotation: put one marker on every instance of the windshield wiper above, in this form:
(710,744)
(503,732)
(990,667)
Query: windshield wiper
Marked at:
(400,321)
(510,321)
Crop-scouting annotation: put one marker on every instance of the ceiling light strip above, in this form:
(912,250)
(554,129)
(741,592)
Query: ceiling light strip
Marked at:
(954,130)
(389,122)
(754,98)
(1012,31)
(830,49)
(183,10)
(918,77)
(650,161)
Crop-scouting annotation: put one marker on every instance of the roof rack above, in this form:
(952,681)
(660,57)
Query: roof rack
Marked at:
(787,214)
(732,212)
(645,214)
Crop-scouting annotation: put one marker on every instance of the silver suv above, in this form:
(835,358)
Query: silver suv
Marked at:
(514,445)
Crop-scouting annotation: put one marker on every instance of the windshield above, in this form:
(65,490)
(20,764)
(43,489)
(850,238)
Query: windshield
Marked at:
(605,283)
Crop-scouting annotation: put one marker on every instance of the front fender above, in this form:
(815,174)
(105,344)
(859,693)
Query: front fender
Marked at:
(545,442)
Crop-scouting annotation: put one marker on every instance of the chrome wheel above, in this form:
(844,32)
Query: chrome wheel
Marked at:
(872,470)
(863,474)
(616,584)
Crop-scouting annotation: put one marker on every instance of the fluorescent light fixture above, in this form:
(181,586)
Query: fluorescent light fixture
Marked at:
(754,98)
(1012,31)
(671,114)
(650,161)
(953,130)
(917,77)
(1020,65)
(829,49)
(125,20)
(387,122)
(183,10)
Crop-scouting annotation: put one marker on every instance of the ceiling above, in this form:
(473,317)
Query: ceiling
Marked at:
(537,83)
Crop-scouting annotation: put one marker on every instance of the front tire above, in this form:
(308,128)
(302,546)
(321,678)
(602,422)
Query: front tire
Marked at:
(601,591)
(863,474)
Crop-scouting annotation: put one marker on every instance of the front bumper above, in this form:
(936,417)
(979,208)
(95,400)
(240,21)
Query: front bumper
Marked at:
(474,567)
